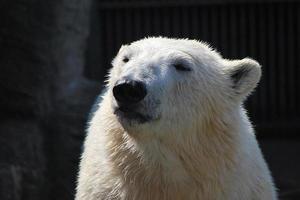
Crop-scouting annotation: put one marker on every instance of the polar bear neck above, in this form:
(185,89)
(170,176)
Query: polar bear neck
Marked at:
(176,165)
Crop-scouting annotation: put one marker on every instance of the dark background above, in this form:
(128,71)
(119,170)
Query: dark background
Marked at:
(54,55)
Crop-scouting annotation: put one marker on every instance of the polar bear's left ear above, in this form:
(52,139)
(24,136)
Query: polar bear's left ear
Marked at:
(244,75)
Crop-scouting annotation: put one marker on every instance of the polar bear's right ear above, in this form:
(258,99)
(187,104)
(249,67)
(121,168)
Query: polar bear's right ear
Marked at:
(122,48)
(244,75)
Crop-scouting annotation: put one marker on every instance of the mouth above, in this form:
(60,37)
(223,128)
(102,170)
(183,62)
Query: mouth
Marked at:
(129,114)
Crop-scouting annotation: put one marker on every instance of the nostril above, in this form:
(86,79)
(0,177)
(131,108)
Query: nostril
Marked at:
(137,91)
(129,91)
(119,92)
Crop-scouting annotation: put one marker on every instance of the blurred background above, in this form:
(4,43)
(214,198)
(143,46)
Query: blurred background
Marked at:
(54,55)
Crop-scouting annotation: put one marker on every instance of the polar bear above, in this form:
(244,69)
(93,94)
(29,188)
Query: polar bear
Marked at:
(171,125)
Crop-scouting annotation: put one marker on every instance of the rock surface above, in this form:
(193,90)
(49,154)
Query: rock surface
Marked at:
(45,98)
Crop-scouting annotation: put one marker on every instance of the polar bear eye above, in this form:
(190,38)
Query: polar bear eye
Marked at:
(125,59)
(181,67)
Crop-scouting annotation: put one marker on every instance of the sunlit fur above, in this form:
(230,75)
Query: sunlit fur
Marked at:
(199,143)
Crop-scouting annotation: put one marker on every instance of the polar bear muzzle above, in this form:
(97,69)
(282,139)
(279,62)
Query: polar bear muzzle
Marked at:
(129,92)
(129,95)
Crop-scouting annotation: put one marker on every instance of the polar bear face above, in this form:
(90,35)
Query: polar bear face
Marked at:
(159,84)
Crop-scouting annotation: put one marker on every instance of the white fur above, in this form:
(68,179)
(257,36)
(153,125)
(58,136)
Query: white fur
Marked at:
(199,143)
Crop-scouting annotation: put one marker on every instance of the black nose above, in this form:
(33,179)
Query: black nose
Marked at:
(129,92)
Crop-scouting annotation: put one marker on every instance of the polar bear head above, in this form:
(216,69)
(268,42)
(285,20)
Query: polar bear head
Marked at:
(160,85)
